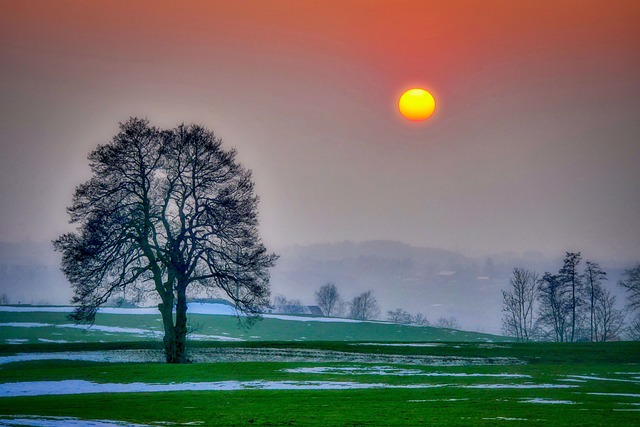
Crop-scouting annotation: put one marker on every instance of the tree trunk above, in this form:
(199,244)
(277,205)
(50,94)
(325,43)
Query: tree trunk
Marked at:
(181,326)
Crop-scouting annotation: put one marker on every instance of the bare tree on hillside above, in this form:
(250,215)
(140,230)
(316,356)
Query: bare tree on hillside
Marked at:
(609,321)
(633,330)
(631,282)
(399,316)
(553,308)
(571,278)
(447,322)
(593,277)
(421,319)
(364,307)
(328,299)
(165,212)
(518,304)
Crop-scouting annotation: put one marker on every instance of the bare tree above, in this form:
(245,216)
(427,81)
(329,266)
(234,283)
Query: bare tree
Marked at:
(571,278)
(593,277)
(165,212)
(518,304)
(631,282)
(633,330)
(399,316)
(364,307)
(4,299)
(609,321)
(421,319)
(447,322)
(328,299)
(553,308)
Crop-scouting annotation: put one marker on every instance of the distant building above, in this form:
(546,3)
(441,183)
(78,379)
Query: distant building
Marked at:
(310,310)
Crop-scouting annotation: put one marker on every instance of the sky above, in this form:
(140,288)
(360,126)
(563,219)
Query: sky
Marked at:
(534,144)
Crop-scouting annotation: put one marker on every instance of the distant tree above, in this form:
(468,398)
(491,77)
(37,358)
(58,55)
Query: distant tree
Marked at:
(4,299)
(447,323)
(593,277)
(553,309)
(633,330)
(165,212)
(364,307)
(608,320)
(421,319)
(328,299)
(570,277)
(631,283)
(518,304)
(399,316)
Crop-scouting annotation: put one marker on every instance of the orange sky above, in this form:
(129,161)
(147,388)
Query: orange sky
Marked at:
(533,145)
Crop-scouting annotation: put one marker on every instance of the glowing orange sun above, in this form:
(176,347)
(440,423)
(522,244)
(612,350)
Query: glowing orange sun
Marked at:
(417,104)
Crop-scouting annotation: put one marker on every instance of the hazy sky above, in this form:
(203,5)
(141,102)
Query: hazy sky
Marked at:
(535,144)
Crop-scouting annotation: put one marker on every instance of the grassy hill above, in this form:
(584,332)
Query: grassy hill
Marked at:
(213,322)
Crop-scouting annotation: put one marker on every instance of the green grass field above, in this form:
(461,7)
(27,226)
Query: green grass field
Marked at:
(316,383)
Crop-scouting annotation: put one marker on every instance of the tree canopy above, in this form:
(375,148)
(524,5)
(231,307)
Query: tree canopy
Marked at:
(165,211)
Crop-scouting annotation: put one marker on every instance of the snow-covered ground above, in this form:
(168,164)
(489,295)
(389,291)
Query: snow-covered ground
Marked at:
(391,371)
(216,309)
(37,421)
(66,387)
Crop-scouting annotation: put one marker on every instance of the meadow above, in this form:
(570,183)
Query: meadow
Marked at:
(298,371)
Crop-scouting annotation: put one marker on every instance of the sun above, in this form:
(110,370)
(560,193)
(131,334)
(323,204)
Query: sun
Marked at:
(417,104)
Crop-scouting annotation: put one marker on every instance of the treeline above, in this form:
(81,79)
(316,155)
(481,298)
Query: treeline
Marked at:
(570,305)
(361,307)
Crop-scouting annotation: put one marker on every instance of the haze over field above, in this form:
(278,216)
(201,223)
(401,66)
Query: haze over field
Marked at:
(533,148)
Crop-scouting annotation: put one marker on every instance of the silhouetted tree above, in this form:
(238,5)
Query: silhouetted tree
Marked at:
(631,282)
(165,212)
(570,277)
(447,322)
(328,299)
(593,277)
(399,316)
(421,319)
(364,307)
(608,320)
(554,308)
(633,330)
(518,304)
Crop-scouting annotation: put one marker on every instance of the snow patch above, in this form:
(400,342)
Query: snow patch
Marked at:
(615,394)
(389,370)
(519,386)
(426,344)
(506,419)
(118,329)
(37,421)
(202,337)
(548,401)
(88,356)
(25,325)
(588,377)
(69,387)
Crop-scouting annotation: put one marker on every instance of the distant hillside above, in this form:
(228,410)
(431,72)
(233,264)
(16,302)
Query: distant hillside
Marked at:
(432,281)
